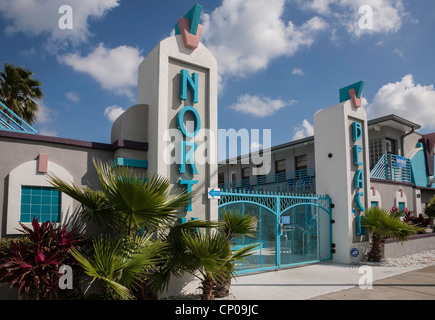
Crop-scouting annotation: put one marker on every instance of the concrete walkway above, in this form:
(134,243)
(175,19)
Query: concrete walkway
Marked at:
(331,281)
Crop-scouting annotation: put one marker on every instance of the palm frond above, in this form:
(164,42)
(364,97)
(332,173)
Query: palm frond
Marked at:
(236,224)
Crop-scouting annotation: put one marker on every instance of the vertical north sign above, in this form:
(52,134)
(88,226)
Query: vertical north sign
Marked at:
(179,85)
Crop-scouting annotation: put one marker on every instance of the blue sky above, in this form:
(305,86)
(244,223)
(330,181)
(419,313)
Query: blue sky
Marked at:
(279,61)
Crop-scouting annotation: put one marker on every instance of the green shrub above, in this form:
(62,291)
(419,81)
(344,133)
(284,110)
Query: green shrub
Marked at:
(5,244)
(429,210)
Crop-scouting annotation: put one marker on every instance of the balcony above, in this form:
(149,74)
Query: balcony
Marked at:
(297,181)
(392,167)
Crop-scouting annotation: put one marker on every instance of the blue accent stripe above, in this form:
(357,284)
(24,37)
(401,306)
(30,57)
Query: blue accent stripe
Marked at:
(134,163)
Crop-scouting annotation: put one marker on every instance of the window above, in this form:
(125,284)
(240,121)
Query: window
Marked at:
(24,184)
(401,205)
(301,162)
(280,170)
(43,203)
(245,177)
(374,204)
(221,179)
(390,146)
(280,166)
(233,179)
(375,152)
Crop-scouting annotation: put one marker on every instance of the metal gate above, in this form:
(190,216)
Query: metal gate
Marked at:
(292,229)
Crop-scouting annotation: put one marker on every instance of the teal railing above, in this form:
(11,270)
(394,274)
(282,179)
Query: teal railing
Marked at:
(393,168)
(293,181)
(9,121)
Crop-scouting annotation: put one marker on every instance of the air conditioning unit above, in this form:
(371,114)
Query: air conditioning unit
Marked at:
(430,180)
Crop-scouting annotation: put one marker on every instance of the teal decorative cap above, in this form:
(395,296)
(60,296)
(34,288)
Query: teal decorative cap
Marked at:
(344,92)
(188,26)
(193,15)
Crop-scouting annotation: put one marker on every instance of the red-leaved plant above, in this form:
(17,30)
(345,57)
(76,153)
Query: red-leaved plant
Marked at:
(34,268)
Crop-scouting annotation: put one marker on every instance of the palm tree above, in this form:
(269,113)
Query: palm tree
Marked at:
(121,265)
(127,203)
(234,225)
(131,211)
(381,224)
(211,256)
(201,249)
(18,90)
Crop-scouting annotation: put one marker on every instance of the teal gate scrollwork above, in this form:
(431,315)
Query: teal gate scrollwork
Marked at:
(292,229)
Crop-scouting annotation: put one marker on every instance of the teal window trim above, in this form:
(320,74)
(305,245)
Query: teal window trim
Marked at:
(401,205)
(43,203)
(134,163)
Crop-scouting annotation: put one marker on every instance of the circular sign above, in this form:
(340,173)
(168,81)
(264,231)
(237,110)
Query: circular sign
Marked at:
(354,252)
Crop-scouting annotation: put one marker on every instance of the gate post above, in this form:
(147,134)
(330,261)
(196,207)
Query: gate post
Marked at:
(278,231)
(342,168)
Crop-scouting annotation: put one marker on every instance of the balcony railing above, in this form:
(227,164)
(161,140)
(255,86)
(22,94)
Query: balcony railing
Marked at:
(303,181)
(393,168)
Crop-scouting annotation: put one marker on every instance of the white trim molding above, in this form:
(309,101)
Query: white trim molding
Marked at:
(27,174)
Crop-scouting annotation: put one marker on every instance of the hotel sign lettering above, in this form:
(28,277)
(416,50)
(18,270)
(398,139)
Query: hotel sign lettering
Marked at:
(186,163)
(357,133)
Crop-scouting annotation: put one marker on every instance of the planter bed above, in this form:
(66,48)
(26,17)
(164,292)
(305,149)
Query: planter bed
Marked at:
(418,243)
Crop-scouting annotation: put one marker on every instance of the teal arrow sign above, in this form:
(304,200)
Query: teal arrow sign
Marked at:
(214,193)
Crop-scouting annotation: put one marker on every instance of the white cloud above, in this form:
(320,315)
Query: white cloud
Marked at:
(298,72)
(44,119)
(319,6)
(305,129)
(255,146)
(115,69)
(388,15)
(406,99)
(259,106)
(113,112)
(399,53)
(246,35)
(41,17)
(73,96)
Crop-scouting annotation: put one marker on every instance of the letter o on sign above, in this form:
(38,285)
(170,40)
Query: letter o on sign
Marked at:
(196,120)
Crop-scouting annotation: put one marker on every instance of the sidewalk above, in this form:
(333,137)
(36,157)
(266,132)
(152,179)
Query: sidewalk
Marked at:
(331,281)
(412,285)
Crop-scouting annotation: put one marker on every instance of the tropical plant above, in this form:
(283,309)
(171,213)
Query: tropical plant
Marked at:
(18,91)
(33,266)
(176,259)
(211,256)
(132,211)
(382,224)
(419,221)
(429,210)
(235,225)
(121,265)
(127,203)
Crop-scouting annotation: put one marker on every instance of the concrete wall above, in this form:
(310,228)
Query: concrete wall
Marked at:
(415,244)
(75,160)
(391,194)
(159,88)
(335,172)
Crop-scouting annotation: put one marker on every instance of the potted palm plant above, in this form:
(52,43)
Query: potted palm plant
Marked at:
(381,224)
